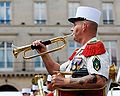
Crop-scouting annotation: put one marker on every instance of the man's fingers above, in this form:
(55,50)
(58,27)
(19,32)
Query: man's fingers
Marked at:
(55,72)
(36,43)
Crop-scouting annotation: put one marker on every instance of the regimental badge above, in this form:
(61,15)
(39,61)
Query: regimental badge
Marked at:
(96,63)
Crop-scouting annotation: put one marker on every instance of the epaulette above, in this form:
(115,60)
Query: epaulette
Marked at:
(94,48)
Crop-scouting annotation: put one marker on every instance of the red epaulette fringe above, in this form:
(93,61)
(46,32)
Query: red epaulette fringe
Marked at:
(92,49)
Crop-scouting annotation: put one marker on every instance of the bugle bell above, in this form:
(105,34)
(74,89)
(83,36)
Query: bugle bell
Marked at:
(17,50)
(39,80)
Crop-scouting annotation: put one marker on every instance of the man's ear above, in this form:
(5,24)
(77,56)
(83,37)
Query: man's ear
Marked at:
(84,26)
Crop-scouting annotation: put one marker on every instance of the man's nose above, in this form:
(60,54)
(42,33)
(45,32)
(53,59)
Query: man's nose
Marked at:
(72,29)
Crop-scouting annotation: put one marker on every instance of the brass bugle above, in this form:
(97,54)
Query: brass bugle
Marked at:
(35,79)
(39,80)
(17,50)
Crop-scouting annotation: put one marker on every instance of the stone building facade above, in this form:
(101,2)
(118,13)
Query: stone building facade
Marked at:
(23,21)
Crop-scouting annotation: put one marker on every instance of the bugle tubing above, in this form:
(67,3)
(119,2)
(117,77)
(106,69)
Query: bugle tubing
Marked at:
(17,50)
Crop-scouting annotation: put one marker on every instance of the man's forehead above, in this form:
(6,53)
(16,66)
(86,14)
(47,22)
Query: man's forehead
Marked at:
(78,22)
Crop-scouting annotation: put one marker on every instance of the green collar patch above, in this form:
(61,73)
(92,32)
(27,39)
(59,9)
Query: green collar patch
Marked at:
(94,41)
(96,63)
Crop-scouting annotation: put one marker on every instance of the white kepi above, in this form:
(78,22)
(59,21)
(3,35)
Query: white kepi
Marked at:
(86,13)
(26,90)
(49,78)
(35,87)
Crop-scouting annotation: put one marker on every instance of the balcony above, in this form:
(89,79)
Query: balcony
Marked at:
(22,69)
(108,21)
(5,21)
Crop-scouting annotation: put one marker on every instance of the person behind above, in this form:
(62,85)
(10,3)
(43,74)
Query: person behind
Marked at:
(35,90)
(91,59)
(45,90)
(49,86)
(26,92)
(49,83)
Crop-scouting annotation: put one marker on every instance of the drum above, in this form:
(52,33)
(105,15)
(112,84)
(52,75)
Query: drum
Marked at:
(81,92)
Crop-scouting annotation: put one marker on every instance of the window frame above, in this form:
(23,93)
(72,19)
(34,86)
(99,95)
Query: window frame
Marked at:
(39,60)
(75,8)
(110,47)
(5,7)
(5,53)
(40,20)
(110,6)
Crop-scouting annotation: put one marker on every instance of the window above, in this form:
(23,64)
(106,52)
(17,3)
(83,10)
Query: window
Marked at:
(72,46)
(40,14)
(38,63)
(108,13)
(111,47)
(5,12)
(72,8)
(6,57)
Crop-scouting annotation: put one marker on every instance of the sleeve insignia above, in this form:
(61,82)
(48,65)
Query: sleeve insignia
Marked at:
(96,63)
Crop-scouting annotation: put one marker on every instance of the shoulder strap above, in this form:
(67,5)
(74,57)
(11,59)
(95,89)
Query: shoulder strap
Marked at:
(95,48)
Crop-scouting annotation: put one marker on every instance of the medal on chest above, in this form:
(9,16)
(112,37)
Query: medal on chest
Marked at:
(76,64)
